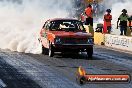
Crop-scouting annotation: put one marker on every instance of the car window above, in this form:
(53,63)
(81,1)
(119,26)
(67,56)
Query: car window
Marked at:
(66,25)
(46,25)
(54,26)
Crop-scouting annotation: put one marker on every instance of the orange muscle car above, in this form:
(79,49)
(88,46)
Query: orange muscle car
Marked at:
(65,35)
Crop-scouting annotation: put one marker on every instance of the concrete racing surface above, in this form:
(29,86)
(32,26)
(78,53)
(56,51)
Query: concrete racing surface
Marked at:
(20,70)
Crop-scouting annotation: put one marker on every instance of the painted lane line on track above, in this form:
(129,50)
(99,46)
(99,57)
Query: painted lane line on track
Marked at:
(2,84)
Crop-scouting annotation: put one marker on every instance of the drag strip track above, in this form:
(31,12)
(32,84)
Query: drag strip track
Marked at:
(21,70)
(11,78)
(2,84)
(39,72)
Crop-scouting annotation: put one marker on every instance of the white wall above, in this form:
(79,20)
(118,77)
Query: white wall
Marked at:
(119,42)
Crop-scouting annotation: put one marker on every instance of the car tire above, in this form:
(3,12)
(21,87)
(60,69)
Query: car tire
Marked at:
(51,51)
(44,50)
(90,52)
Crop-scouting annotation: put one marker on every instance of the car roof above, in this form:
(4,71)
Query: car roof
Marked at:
(63,19)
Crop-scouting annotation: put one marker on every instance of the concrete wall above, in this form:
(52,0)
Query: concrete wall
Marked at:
(114,41)
(119,42)
(99,38)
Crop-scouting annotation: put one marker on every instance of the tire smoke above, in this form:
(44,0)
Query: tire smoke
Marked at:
(21,21)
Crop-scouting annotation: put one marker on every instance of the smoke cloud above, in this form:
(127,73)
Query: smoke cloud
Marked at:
(21,21)
(117,8)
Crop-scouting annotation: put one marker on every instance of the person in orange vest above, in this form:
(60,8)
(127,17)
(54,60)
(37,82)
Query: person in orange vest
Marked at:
(89,14)
(107,21)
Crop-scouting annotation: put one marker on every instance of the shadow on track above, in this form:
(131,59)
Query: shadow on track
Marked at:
(13,78)
(83,56)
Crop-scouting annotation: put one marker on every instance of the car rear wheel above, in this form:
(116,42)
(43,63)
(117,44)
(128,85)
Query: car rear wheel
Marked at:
(44,50)
(90,52)
(51,51)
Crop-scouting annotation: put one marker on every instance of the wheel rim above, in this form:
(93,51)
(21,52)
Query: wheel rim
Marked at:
(50,52)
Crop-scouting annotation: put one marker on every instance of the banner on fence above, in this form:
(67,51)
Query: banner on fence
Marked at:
(120,42)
